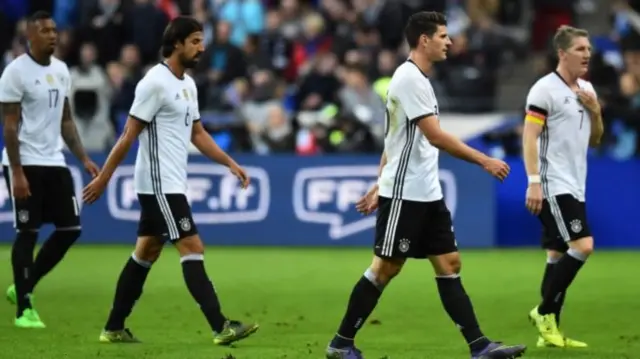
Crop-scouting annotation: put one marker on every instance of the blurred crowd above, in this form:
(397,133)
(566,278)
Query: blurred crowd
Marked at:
(615,74)
(304,76)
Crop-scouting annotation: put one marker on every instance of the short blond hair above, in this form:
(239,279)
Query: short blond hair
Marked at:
(564,36)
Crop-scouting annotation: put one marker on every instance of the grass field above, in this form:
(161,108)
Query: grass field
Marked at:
(298,296)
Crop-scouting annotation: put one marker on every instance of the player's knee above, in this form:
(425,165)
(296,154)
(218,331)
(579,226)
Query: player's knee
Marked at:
(447,264)
(146,262)
(190,245)
(385,269)
(553,256)
(147,252)
(453,265)
(584,246)
(146,255)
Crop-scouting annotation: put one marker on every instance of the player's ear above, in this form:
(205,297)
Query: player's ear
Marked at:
(424,38)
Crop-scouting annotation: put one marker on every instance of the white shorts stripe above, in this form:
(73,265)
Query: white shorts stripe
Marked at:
(156,181)
(168,216)
(392,226)
(556,212)
(398,186)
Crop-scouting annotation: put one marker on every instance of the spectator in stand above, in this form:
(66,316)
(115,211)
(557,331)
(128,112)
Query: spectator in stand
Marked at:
(220,64)
(309,49)
(89,99)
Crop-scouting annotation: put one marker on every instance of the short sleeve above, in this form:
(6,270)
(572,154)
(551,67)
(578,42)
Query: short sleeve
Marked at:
(147,100)
(538,105)
(416,98)
(11,87)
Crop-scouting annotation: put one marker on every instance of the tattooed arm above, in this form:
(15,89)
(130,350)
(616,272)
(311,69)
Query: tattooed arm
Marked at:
(70,133)
(11,122)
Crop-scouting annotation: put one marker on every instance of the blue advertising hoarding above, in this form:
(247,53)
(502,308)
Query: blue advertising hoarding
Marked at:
(292,201)
(309,201)
(612,200)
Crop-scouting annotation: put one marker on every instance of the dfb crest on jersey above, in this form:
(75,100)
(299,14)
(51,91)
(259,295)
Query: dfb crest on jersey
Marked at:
(185,224)
(403,246)
(23,216)
(576,226)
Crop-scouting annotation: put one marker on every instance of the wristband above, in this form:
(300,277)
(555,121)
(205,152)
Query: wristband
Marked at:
(533,179)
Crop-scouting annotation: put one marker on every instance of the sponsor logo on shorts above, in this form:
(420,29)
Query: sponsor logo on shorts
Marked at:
(23,216)
(185,224)
(576,226)
(403,245)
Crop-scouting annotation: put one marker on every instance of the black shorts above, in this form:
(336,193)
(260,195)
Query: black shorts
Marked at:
(410,229)
(166,216)
(564,219)
(53,198)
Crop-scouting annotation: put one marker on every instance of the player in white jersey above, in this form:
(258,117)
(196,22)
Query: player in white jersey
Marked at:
(165,118)
(563,119)
(34,90)
(413,220)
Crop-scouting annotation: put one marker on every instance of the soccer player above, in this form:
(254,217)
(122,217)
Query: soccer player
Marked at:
(413,220)
(563,119)
(34,90)
(165,118)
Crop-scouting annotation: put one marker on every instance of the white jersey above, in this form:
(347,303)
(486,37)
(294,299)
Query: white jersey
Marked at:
(169,105)
(41,92)
(564,141)
(411,172)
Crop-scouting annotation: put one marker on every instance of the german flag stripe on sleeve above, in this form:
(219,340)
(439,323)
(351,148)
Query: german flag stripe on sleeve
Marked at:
(536,114)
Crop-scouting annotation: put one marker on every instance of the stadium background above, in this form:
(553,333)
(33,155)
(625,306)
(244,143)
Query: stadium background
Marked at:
(293,89)
(293,85)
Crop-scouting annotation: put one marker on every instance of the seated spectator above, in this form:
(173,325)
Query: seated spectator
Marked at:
(89,100)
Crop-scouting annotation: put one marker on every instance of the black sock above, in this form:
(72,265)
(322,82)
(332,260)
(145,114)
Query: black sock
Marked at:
(546,278)
(51,253)
(458,305)
(202,290)
(128,291)
(362,302)
(22,263)
(545,287)
(564,273)
(559,308)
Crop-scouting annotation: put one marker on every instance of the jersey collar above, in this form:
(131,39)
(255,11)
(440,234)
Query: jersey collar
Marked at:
(173,73)
(36,61)
(418,67)
(563,80)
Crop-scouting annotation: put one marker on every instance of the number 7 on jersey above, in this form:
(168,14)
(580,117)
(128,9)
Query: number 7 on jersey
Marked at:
(581,117)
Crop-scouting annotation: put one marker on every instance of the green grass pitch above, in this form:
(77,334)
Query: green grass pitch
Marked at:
(299,295)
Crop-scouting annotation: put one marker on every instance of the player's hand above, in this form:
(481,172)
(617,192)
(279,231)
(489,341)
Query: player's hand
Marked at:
(241,175)
(534,198)
(91,168)
(589,100)
(20,185)
(94,189)
(369,202)
(497,168)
